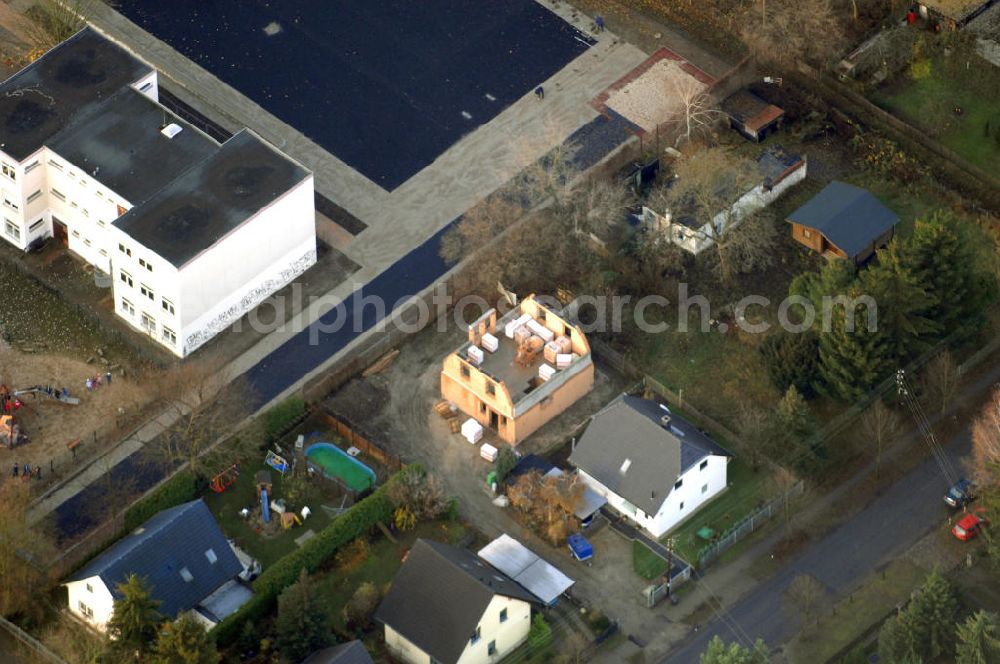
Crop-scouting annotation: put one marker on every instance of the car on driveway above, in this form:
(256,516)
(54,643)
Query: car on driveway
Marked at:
(960,494)
(970,525)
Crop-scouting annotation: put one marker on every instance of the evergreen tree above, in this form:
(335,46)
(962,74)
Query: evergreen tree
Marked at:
(944,262)
(852,361)
(893,643)
(134,621)
(929,620)
(979,639)
(793,427)
(791,361)
(905,306)
(303,623)
(718,653)
(184,641)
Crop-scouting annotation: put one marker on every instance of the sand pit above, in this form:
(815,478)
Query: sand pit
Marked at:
(655,96)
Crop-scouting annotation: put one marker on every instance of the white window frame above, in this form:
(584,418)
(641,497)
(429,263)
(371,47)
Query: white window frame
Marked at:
(167,305)
(11,229)
(147,291)
(128,308)
(127,278)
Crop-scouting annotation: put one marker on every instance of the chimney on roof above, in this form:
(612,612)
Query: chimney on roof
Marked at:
(171,130)
(665,421)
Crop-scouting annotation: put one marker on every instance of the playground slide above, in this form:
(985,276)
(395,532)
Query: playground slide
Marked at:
(265,508)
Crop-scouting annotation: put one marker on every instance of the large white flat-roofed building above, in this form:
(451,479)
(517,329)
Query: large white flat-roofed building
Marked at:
(193,233)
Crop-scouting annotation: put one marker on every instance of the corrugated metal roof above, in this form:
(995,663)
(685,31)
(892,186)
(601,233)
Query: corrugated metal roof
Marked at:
(520,563)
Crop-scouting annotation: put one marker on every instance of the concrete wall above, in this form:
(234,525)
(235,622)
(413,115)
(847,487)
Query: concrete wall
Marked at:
(98,599)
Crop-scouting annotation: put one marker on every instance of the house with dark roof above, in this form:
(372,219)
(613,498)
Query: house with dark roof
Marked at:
(651,465)
(184,557)
(448,606)
(750,115)
(352,652)
(193,233)
(844,221)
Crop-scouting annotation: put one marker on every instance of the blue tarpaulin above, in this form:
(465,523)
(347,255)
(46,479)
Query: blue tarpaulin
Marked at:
(581,548)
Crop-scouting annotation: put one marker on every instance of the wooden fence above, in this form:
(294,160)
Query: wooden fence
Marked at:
(350,434)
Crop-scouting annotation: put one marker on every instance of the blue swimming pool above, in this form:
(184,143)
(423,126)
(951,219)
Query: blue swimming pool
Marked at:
(338,464)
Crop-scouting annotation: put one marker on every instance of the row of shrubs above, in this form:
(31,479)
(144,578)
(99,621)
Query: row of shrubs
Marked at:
(355,522)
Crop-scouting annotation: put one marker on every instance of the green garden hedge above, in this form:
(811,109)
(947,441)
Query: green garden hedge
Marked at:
(278,419)
(181,488)
(355,522)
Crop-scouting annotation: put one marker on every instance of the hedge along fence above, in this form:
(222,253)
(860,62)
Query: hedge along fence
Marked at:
(181,488)
(355,522)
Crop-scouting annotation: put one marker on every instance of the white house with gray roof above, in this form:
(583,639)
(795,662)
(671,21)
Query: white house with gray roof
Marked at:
(193,233)
(652,466)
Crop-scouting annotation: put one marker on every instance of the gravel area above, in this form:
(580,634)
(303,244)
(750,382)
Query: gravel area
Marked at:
(655,96)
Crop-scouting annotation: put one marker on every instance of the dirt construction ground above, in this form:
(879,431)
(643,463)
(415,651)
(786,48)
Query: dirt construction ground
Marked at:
(394,409)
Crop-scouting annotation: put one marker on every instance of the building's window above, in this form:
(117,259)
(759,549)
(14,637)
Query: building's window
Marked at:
(90,588)
(121,210)
(35,226)
(100,194)
(542,316)
(8,170)
(127,278)
(11,204)
(503,615)
(125,250)
(103,253)
(491,388)
(482,407)
(474,639)
(491,649)
(465,371)
(212,558)
(186,575)
(128,308)
(168,306)
(86,610)
(76,234)
(678,484)
(35,196)
(169,336)
(101,223)
(143,263)
(682,505)
(806,233)
(86,213)
(704,465)
(148,322)
(83,183)
(503,420)
(30,167)
(55,164)
(58,194)
(147,291)
(73,205)
(12,230)
(86,242)
(146,87)
(704,489)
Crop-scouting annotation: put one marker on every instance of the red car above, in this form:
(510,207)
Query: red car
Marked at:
(970,525)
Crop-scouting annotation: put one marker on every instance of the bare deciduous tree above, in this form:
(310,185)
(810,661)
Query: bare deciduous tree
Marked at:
(753,426)
(789,33)
(479,226)
(696,111)
(806,592)
(708,182)
(880,424)
(941,379)
(24,553)
(548,503)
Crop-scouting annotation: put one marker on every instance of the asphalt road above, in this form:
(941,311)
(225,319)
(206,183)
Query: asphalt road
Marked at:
(884,530)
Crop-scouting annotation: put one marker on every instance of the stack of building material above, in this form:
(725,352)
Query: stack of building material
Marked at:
(489,452)
(546,371)
(472,431)
(512,325)
(476,355)
(565,345)
(552,349)
(521,335)
(540,330)
(563,360)
(446,409)
(490,342)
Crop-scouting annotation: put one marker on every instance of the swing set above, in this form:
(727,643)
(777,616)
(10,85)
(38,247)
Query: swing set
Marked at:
(225,479)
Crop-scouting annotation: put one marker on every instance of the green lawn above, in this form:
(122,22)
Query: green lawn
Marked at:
(336,585)
(929,104)
(836,629)
(645,563)
(227,505)
(747,490)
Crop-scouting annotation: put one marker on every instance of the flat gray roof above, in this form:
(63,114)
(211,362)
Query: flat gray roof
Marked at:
(44,97)
(118,142)
(212,198)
